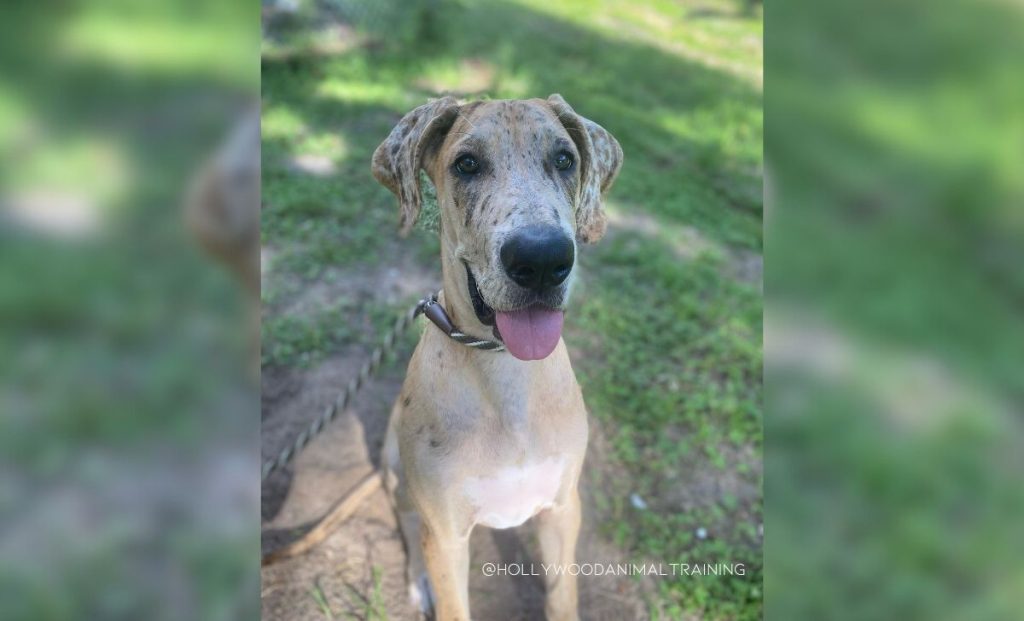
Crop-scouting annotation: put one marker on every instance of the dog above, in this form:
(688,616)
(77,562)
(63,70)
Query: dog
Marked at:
(222,205)
(222,212)
(494,438)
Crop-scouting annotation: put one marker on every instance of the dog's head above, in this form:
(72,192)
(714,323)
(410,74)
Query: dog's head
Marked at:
(518,184)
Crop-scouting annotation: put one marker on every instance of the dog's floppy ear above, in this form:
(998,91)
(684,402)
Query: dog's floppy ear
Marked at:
(397,161)
(601,159)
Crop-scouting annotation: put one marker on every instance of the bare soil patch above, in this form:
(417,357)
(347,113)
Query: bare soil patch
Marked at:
(361,565)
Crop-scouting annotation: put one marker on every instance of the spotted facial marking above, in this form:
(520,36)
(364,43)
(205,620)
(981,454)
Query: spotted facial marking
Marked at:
(499,167)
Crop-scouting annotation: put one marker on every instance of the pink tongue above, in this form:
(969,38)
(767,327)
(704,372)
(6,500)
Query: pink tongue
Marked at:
(530,333)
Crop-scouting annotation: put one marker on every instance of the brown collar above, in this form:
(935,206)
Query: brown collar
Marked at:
(435,312)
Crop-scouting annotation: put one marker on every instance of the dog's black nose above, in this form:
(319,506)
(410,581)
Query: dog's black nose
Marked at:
(537,257)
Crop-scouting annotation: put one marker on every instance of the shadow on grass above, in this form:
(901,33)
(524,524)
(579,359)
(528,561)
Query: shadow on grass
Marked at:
(691,134)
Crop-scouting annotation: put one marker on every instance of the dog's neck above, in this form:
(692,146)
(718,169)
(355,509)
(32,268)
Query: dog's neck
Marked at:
(456,294)
(507,382)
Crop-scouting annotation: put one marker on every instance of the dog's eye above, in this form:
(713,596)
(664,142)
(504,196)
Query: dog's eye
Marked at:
(467,165)
(563,161)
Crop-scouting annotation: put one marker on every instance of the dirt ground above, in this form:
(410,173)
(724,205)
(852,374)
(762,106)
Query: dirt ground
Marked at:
(340,572)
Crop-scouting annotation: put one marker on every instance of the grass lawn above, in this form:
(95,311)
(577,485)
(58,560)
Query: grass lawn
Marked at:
(665,328)
(122,371)
(895,423)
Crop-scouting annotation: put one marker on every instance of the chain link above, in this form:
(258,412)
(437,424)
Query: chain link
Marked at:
(355,384)
(365,373)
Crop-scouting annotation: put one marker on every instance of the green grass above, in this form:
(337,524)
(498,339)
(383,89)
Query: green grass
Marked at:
(120,343)
(678,379)
(667,344)
(894,484)
(318,596)
(371,604)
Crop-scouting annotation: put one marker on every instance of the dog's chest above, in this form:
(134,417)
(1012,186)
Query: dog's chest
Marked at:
(513,494)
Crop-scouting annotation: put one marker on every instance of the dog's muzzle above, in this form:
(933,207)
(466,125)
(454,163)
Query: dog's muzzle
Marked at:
(537,260)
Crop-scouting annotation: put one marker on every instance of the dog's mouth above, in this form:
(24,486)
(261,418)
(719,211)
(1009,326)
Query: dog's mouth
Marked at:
(483,312)
(529,333)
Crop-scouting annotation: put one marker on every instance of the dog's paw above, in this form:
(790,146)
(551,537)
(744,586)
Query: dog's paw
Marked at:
(421,596)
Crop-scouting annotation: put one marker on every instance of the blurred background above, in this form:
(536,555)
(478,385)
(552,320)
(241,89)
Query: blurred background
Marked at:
(893,332)
(128,427)
(664,329)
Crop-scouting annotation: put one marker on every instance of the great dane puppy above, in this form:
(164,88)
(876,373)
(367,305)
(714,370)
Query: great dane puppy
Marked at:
(483,437)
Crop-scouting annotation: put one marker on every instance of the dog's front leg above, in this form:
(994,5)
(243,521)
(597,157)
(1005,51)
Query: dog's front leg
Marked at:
(447,557)
(557,530)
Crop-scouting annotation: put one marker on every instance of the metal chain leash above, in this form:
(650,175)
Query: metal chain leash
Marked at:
(368,369)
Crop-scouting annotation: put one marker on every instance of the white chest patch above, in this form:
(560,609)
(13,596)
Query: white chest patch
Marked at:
(513,495)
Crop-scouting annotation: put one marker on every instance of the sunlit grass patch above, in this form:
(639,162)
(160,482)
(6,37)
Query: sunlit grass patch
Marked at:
(209,42)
